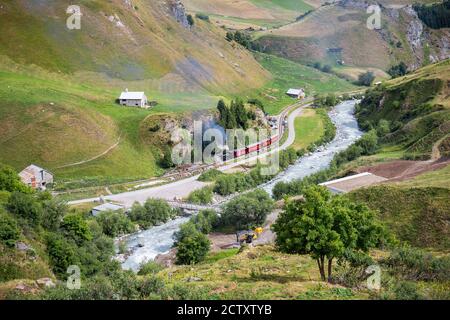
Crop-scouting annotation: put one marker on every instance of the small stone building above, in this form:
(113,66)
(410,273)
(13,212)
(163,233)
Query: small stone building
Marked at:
(296,93)
(36,177)
(133,99)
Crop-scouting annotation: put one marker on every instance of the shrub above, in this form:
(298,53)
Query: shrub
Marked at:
(210,175)
(10,181)
(61,252)
(192,248)
(150,268)
(202,16)
(151,286)
(248,210)
(9,230)
(153,212)
(52,214)
(366,79)
(76,228)
(205,221)
(25,206)
(115,224)
(201,196)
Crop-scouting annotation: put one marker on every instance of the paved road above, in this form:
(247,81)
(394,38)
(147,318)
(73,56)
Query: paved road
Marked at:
(182,188)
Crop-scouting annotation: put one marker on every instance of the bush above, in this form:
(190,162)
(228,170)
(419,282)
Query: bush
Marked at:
(52,214)
(25,206)
(76,228)
(210,175)
(154,211)
(406,291)
(202,16)
(248,210)
(9,230)
(151,286)
(192,248)
(205,221)
(201,196)
(150,268)
(10,181)
(366,79)
(418,265)
(61,252)
(115,224)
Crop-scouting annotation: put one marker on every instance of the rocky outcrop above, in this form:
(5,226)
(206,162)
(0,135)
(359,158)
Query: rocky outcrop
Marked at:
(179,13)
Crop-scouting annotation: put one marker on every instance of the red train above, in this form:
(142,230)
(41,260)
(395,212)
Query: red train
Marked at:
(252,148)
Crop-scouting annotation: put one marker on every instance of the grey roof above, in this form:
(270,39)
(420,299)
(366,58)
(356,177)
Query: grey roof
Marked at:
(108,207)
(132,95)
(295,91)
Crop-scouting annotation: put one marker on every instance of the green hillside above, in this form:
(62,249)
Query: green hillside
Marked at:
(415,110)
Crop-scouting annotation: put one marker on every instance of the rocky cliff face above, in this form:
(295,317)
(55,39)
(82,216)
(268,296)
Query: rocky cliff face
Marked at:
(179,12)
(425,44)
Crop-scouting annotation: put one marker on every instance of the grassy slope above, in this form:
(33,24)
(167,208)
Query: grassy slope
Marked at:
(308,129)
(308,40)
(417,210)
(418,216)
(58,86)
(288,74)
(259,273)
(420,102)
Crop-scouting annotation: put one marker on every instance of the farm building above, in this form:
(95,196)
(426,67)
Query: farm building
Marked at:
(296,93)
(133,99)
(354,182)
(36,177)
(105,208)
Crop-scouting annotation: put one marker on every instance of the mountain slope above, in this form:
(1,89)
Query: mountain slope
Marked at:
(337,34)
(130,40)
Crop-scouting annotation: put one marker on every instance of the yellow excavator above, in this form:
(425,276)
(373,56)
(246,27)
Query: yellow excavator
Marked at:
(247,236)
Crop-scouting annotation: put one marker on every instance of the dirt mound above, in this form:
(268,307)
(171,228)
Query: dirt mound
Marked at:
(401,170)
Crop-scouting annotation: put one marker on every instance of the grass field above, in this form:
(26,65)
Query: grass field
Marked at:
(259,273)
(287,74)
(308,129)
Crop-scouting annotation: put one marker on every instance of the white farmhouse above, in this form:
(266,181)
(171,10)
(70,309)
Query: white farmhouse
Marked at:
(133,99)
(36,177)
(296,93)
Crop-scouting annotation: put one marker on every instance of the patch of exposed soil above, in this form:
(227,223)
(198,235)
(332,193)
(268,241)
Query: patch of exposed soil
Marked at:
(401,170)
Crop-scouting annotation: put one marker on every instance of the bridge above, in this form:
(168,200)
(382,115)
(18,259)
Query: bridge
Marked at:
(192,207)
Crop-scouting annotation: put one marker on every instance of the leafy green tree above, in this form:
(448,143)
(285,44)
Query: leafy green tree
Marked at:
(383,128)
(192,248)
(325,227)
(9,230)
(205,221)
(153,212)
(366,79)
(166,161)
(25,206)
(201,196)
(190,20)
(76,228)
(52,213)
(10,180)
(248,210)
(62,253)
(115,224)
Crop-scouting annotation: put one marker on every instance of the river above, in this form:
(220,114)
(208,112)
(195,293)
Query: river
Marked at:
(146,245)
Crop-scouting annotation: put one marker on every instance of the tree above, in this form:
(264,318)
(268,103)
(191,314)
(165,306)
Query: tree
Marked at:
(9,230)
(192,248)
(325,227)
(25,206)
(166,161)
(248,210)
(76,228)
(366,79)
(115,224)
(190,20)
(62,253)
(153,212)
(52,213)
(10,180)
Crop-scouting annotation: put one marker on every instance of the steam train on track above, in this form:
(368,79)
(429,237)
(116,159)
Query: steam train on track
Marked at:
(233,154)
